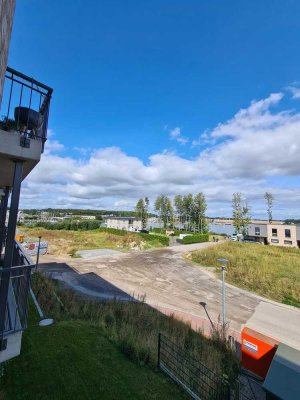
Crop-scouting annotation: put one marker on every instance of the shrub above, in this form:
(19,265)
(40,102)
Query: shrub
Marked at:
(113,231)
(68,225)
(199,238)
(158,230)
(150,238)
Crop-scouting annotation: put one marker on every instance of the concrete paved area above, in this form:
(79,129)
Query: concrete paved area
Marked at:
(174,285)
(97,253)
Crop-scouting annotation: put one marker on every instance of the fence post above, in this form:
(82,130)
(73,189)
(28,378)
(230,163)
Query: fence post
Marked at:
(158,350)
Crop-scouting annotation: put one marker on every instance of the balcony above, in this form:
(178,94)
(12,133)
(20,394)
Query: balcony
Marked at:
(15,314)
(23,133)
(23,123)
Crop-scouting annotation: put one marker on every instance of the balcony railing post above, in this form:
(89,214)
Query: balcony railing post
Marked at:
(3,211)
(10,242)
(13,214)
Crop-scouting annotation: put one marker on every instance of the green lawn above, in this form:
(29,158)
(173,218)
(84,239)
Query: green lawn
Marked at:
(270,271)
(74,360)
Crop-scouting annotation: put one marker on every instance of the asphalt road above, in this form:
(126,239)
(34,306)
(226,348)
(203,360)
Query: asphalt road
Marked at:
(173,284)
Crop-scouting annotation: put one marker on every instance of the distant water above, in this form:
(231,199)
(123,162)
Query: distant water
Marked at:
(228,229)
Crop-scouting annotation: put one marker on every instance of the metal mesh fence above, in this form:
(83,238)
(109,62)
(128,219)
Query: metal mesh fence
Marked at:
(194,377)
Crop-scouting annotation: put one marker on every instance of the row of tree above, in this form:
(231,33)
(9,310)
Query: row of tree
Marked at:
(189,211)
(186,212)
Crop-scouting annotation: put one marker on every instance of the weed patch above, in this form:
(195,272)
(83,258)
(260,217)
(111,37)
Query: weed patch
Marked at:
(270,271)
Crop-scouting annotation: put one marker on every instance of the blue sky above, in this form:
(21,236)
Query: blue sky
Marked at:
(155,79)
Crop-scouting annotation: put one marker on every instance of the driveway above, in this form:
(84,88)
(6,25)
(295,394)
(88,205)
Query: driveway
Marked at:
(174,285)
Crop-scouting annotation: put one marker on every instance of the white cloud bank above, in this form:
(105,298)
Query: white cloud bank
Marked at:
(246,153)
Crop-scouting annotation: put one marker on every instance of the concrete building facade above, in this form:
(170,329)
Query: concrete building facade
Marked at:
(7,10)
(275,234)
(131,224)
(283,235)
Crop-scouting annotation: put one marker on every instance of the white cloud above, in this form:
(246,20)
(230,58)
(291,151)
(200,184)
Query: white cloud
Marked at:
(295,91)
(175,134)
(53,146)
(255,147)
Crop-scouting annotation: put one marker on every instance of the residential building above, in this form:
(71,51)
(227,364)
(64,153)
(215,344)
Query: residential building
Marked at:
(23,133)
(132,224)
(274,234)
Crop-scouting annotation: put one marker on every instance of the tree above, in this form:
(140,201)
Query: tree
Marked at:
(163,206)
(198,212)
(240,213)
(179,207)
(188,209)
(269,199)
(141,210)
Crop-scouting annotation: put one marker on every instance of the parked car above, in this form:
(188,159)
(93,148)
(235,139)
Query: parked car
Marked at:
(236,237)
(143,231)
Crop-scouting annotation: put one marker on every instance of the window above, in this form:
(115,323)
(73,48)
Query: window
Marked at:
(287,233)
(274,241)
(274,232)
(257,230)
(288,242)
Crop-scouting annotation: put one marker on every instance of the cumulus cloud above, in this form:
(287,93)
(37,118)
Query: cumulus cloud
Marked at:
(254,151)
(295,91)
(175,134)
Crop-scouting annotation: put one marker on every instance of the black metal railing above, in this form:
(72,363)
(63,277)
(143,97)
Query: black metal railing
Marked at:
(18,293)
(193,376)
(17,302)
(25,107)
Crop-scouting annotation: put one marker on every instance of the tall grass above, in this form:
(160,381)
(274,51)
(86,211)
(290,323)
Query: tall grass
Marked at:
(134,326)
(270,271)
(68,242)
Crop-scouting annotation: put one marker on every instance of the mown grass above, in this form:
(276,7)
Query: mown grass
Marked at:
(74,359)
(68,242)
(134,327)
(270,271)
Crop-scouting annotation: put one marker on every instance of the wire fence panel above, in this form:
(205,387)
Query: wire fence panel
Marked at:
(194,377)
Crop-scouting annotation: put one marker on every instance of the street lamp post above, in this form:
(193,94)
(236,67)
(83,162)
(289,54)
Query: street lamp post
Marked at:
(38,253)
(223,262)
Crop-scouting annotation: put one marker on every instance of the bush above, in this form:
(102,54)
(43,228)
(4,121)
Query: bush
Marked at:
(113,231)
(68,225)
(199,238)
(149,238)
(144,236)
(158,230)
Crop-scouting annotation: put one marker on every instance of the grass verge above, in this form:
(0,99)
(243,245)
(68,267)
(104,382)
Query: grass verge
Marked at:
(270,271)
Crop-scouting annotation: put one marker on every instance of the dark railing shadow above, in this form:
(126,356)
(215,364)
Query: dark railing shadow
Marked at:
(87,284)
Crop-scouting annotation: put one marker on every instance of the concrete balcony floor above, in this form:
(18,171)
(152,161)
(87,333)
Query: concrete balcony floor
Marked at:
(10,150)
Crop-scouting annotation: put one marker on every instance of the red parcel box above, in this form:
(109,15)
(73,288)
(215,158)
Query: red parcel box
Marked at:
(258,351)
